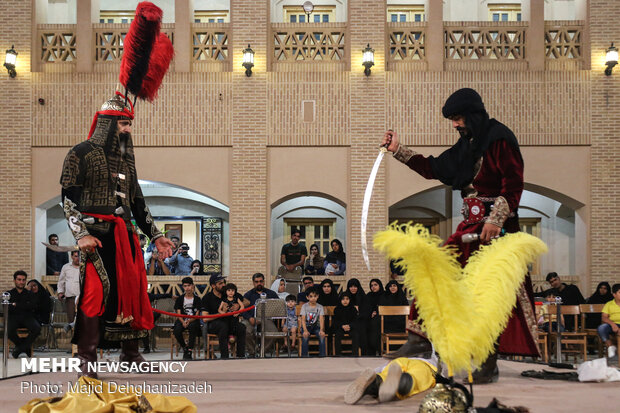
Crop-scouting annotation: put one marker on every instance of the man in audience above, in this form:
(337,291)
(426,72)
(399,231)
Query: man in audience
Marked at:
(249,319)
(308,282)
(181,261)
(188,304)
(210,305)
(69,287)
(570,295)
(157,265)
(54,260)
(21,315)
(293,256)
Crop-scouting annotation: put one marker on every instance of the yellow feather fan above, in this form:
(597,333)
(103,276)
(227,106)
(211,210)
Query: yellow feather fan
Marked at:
(464,310)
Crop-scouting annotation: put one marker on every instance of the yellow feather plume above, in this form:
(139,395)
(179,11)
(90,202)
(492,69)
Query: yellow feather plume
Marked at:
(464,310)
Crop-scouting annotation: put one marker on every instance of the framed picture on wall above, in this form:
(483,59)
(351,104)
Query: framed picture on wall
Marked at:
(174,230)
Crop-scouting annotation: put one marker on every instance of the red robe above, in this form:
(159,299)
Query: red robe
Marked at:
(501,174)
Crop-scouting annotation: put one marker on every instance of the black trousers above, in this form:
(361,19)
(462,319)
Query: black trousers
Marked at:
(23,321)
(222,328)
(194,331)
(355,340)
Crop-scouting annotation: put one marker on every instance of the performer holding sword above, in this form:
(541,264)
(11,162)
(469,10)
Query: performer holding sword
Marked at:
(486,166)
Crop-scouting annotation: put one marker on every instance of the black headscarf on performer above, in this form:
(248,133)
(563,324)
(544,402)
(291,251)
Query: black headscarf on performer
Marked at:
(455,166)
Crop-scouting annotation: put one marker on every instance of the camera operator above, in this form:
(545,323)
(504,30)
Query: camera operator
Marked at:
(180,261)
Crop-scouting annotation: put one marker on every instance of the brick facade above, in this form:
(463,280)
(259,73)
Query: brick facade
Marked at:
(564,107)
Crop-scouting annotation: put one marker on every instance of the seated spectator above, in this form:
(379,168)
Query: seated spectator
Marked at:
(373,325)
(395,270)
(307,282)
(543,320)
(292,257)
(335,260)
(197,268)
(570,295)
(69,287)
(43,301)
(344,322)
(143,240)
(312,317)
(393,296)
(233,301)
(359,300)
(188,304)
(602,295)
(328,296)
(290,325)
(611,321)
(314,262)
(146,341)
(211,305)
(249,319)
(180,262)
(54,260)
(157,265)
(279,286)
(21,315)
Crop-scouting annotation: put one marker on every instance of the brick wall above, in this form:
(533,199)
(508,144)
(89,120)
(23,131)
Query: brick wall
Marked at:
(605,163)
(15,211)
(568,107)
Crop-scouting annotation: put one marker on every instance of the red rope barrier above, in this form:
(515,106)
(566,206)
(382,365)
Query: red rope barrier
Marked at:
(203,316)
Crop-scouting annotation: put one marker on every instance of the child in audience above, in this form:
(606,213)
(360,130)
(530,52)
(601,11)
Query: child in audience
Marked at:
(345,315)
(290,326)
(312,317)
(611,321)
(543,320)
(226,306)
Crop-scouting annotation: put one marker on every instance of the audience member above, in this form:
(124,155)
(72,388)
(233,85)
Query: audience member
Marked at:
(249,319)
(328,296)
(54,260)
(188,304)
(232,301)
(290,326)
(358,299)
(293,256)
(545,316)
(570,295)
(197,268)
(602,295)
(180,262)
(69,287)
(394,296)
(314,262)
(344,322)
(307,282)
(143,240)
(21,315)
(336,260)
(395,269)
(611,321)
(312,317)
(211,305)
(157,265)
(279,286)
(43,301)
(373,325)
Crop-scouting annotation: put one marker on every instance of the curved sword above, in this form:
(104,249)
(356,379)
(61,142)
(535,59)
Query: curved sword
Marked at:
(366,204)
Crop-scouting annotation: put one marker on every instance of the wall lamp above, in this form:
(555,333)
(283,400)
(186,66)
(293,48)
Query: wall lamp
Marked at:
(9,61)
(611,59)
(248,60)
(368,60)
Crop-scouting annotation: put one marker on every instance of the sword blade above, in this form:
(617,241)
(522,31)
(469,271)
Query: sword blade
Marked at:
(61,248)
(366,204)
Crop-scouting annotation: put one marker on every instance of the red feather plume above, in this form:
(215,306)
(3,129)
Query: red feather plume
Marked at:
(161,56)
(138,46)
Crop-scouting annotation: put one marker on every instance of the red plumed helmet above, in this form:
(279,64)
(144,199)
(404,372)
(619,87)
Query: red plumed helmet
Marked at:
(146,55)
